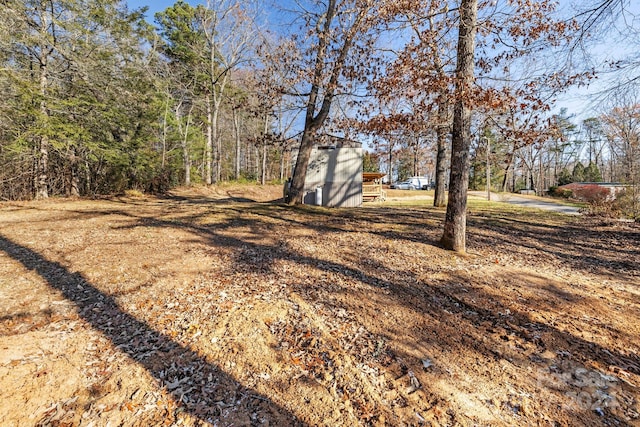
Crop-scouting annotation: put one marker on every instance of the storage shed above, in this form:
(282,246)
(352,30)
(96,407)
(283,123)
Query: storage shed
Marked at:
(334,175)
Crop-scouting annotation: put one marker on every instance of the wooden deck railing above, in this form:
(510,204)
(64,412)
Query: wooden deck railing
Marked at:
(373,192)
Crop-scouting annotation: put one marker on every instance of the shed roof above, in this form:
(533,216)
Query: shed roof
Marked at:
(370,176)
(326,140)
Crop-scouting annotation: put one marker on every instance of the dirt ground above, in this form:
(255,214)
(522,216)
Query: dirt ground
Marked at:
(222,307)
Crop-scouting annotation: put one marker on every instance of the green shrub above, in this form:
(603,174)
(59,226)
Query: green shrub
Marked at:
(565,193)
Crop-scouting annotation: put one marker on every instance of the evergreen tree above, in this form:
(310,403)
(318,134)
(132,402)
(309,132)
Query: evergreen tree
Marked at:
(592,173)
(578,174)
(565,177)
(370,162)
(76,109)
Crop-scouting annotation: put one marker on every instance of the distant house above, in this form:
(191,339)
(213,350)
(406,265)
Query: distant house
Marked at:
(613,187)
(334,175)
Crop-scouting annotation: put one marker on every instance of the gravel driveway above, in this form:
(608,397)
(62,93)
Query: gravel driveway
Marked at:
(529,201)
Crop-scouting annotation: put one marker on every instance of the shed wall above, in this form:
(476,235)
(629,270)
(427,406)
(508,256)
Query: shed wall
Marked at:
(339,172)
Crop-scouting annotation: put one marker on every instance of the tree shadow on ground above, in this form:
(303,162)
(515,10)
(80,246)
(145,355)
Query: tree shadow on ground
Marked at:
(406,287)
(162,357)
(582,246)
(427,299)
(255,256)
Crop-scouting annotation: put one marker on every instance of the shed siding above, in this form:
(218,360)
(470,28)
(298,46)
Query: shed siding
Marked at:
(339,172)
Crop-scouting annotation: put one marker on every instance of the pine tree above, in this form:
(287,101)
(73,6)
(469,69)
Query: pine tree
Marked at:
(578,174)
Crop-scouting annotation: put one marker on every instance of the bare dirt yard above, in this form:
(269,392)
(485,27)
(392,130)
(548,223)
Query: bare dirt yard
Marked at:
(223,307)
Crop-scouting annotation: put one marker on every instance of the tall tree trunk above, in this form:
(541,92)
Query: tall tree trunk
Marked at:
(442,130)
(390,157)
(218,142)
(236,131)
(555,162)
(187,163)
(165,126)
(282,154)
(507,167)
(74,179)
(312,121)
(42,165)
(505,179)
(320,94)
(541,180)
(455,224)
(186,158)
(263,175)
(87,177)
(247,156)
(208,148)
(439,198)
(300,171)
(256,168)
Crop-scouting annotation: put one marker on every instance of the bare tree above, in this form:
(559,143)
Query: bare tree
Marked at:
(604,23)
(211,41)
(433,79)
(622,127)
(338,30)
(230,29)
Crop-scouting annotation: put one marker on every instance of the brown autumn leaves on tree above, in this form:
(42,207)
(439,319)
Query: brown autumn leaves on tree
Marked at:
(530,31)
(455,223)
(339,32)
(492,75)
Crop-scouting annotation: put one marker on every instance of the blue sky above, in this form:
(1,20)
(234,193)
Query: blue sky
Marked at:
(160,5)
(156,5)
(577,101)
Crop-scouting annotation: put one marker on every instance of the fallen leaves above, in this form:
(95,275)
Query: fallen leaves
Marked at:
(344,317)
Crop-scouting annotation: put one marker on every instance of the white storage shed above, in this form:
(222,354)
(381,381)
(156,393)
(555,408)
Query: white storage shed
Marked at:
(334,175)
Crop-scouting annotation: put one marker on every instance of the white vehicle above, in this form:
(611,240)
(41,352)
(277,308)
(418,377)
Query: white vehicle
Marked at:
(420,182)
(404,185)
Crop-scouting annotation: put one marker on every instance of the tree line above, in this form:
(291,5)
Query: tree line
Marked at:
(97,100)
(596,149)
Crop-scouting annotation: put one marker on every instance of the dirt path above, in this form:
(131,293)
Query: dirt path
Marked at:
(215,307)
